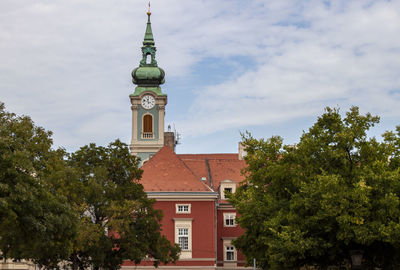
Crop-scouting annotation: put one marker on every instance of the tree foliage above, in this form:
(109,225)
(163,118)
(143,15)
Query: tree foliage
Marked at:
(85,209)
(310,204)
(35,223)
(117,220)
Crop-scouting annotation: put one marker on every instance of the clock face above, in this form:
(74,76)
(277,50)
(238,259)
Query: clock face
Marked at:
(148,102)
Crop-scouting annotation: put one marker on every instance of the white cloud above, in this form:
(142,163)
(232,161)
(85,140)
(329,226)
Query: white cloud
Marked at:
(68,63)
(345,55)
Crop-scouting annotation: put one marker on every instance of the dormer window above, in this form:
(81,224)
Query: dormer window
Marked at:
(227,186)
(227,190)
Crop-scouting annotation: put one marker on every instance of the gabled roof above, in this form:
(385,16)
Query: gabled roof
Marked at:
(170,172)
(166,172)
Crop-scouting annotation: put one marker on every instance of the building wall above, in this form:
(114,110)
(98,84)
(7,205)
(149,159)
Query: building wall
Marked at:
(203,234)
(226,233)
(203,225)
(144,156)
(21,265)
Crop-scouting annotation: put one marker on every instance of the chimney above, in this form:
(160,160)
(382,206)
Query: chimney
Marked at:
(169,139)
(242,151)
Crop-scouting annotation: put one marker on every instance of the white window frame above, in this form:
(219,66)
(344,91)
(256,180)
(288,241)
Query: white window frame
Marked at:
(183,234)
(183,208)
(227,184)
(230,216)
(228,248)
(184,223)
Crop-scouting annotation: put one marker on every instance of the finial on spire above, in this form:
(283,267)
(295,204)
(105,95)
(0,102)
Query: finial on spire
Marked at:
(148,36)
(149,12)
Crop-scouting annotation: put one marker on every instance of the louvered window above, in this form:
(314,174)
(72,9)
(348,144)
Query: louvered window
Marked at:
(148,123)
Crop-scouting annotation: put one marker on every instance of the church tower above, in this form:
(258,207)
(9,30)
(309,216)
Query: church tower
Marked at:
(148,101)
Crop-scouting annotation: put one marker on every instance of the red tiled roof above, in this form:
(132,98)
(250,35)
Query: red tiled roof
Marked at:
(198,167)
(165,171)
(221,167)
(226,169)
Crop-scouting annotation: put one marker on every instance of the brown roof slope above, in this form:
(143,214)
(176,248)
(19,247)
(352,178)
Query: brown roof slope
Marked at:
(220,167)
(226,169)
(166,172)
(197,166)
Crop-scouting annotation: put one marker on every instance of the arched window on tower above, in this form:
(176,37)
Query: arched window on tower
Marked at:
(148,58)
(147,127)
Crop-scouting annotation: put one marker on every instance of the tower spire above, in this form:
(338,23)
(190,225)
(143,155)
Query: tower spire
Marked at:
(148,74)
(148,101)
(148,36)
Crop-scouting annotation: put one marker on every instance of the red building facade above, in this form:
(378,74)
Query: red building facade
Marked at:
(190,190)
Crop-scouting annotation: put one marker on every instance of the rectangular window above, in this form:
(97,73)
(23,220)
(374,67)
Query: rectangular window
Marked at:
(230,253)
(229,219)
(148,123)
(183,208)
(183,238)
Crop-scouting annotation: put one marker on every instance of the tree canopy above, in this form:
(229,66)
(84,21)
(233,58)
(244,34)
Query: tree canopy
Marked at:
(35,223)
(312,203)
(85,209)
(117,220)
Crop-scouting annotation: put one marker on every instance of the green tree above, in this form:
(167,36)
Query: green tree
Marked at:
(36,223)
(310,204)
(117,220)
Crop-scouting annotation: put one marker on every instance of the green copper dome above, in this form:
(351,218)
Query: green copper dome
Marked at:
(148,74)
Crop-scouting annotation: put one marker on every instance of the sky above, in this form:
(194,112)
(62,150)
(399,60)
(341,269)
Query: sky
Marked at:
(268,67)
